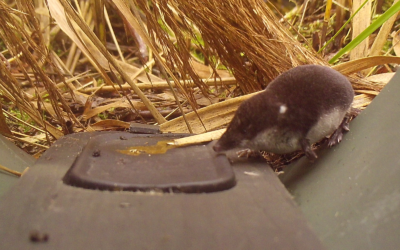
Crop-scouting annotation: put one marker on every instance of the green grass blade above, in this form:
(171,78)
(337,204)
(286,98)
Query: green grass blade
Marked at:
(368,31)
(344,25)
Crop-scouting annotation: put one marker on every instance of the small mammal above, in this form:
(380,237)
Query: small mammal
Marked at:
(298,108)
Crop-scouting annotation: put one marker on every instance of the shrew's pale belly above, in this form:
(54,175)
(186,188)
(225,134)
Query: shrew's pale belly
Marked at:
(326,125)
(282,140)
(275,140)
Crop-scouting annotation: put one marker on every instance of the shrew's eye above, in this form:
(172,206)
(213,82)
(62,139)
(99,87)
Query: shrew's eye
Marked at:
(247,129)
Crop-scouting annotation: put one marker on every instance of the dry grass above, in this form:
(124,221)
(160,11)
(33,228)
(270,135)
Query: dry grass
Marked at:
(245,36)
(21,34)
(79,68)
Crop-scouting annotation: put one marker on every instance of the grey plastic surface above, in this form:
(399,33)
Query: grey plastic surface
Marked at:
(192,169)
(351,194)
(13,158)
(258,213)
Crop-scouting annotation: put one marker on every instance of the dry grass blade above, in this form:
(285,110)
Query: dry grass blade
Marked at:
(100,19)
(78,26)
(196,139)
(110,124)
(160,85)
(10,171)
(27,140)
(354,66)
(360,22)
(381,78)
(362,100)
(115,40)
(89,113)
(214,116)
(396,42)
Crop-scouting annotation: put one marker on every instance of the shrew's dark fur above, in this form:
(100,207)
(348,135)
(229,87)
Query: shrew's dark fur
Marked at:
(307,93)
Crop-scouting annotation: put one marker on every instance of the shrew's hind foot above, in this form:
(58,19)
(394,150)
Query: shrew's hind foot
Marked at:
(248,153)
(337,136)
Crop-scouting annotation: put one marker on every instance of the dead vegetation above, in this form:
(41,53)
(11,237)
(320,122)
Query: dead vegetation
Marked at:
(74,66)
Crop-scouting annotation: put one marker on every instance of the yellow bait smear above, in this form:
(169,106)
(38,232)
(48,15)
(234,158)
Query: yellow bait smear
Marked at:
(160,148)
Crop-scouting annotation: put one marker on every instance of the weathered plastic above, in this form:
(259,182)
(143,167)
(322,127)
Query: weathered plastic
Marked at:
(119,161)
(43,212)
(351,194)
(13,158)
